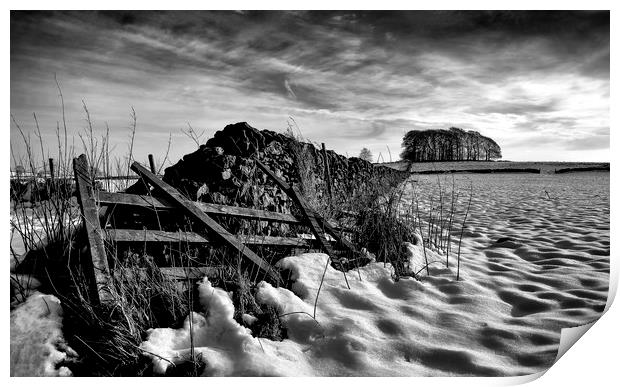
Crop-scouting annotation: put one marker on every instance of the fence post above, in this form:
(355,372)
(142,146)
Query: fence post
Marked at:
(97,269)
(152,164)
(51,163)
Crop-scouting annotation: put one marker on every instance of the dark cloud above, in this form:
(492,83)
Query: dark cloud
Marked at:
(517,108)
(597,65)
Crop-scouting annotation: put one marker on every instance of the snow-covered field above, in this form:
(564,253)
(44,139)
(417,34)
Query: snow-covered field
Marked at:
(549,270)
(502,318)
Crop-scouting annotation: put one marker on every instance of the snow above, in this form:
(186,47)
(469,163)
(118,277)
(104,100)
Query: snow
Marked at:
(226,347)
(37,344)
(534,259)
(502,318)
(22,286)
(367,330)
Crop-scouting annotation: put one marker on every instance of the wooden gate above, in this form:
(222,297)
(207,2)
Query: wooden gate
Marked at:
(166,198)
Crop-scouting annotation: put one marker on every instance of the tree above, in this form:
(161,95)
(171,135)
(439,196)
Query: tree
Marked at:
(366,154)
(453,144)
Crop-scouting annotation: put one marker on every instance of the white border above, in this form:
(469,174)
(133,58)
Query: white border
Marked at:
(593,360)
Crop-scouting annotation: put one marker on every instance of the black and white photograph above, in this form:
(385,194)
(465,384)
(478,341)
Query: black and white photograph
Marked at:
(327,193)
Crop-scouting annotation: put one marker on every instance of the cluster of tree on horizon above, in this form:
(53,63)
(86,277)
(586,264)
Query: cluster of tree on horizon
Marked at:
(452,144)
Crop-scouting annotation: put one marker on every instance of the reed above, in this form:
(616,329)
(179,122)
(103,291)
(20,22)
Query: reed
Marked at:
(46,234)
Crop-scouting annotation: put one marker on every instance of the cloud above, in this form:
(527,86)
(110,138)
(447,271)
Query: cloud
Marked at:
(352,78)
(515,107)
(588,143)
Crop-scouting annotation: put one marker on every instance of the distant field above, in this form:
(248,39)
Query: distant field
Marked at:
(544,166)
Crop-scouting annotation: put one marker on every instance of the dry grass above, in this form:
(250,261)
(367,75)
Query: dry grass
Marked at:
(310,185)
(383,222)
(376,214)
(108,337)
(48,227)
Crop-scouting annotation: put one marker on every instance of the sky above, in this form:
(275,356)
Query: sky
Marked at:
(536,82)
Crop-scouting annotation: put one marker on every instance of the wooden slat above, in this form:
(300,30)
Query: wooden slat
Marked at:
(147,201)
(124,235)
(310,215)
(100,289)
(140,187)
(112,198)
(178,273)
(189,272)
(127,235)
(275,241)
(117,177)
(192,210)
(248,213)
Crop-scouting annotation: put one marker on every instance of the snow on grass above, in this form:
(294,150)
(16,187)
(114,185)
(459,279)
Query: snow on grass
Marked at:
(370,329)
(37,344)
(225,346)
(22,286)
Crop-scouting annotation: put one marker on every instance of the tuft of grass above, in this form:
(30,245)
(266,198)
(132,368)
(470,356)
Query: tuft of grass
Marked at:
(439,233)
(108,336)
(46,224)
(312,188)
(269,324)
(383,222)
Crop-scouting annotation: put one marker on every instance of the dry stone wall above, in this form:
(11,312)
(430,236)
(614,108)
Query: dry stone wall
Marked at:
(223,170)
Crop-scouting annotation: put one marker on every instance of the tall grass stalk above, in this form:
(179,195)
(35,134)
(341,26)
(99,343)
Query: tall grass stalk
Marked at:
(48,228)
(422,236)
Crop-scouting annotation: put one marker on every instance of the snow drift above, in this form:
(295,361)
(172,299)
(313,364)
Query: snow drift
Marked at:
(378,327)
(37,344)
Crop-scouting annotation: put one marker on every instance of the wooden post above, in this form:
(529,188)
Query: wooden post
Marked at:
(322,224)
(328,177)
(51,162)
(317,225)
(172,195)
(152,164)
(99,272)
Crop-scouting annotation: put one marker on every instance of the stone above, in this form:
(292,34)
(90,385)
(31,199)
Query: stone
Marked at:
(203,190)
(223,169)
